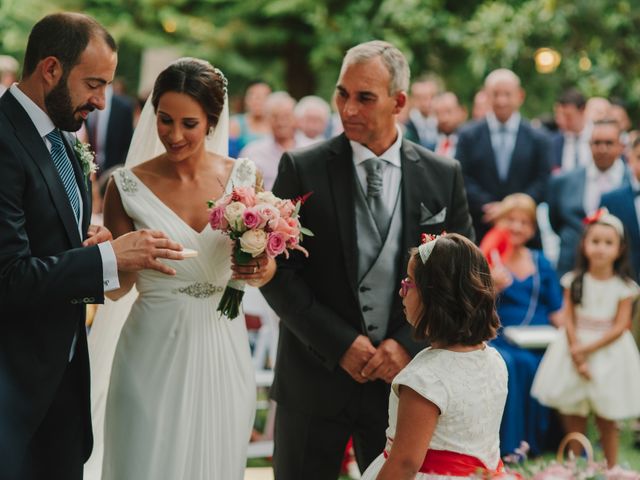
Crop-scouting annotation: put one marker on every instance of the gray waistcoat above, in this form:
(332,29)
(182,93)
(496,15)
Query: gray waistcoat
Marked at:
(377,265)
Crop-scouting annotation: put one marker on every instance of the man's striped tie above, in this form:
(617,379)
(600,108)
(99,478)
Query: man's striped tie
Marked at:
(65,170)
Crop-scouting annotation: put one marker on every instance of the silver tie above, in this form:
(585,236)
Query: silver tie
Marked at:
(374,167)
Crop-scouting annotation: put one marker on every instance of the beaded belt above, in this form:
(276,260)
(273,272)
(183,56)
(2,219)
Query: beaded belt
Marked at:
(199,290)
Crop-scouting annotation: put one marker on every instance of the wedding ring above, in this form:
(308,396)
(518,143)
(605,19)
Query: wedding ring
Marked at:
(255,269)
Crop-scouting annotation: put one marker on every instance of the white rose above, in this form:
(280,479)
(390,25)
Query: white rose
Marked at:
(253,242)
(233,214)
(267,197)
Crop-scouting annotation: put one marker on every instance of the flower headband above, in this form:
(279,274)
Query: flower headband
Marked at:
(603,216)
(428,242)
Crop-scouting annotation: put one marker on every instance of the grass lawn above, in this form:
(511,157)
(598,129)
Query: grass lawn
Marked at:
(629,457)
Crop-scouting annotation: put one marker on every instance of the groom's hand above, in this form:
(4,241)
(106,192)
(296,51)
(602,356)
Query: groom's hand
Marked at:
(97,234)
(389,359)
(357,356)
(140,250)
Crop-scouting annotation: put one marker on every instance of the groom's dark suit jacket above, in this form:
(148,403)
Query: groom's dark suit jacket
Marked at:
(46,277)
(316,297)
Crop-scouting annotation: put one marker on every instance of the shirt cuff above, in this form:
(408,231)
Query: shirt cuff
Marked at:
(110,279)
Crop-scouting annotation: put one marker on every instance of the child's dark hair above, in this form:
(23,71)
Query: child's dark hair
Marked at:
(457,293)
(621,266)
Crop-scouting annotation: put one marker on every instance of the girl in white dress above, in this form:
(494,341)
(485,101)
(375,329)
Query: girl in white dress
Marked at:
(181,396)
(445,407)
(594,366)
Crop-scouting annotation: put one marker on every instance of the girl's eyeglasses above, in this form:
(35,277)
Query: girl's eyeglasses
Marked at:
(405,285)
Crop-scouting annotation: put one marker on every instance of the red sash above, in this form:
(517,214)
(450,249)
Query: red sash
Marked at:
(444,462)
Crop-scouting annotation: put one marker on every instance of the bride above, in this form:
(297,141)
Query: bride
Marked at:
(181,392)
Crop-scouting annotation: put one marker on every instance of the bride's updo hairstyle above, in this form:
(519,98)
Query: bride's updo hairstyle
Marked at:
(196,78)
(455,286)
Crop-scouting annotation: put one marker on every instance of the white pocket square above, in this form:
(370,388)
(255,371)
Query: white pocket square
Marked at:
(427,218)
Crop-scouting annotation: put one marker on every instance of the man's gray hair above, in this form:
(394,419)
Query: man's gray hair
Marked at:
(310,102)
(391,57)
(278,98)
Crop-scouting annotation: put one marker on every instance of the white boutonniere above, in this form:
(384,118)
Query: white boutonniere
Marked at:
(86,157)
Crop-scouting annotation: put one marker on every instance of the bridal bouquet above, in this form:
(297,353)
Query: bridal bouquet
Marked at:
(257,222)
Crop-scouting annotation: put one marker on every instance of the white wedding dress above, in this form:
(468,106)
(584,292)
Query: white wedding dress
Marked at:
(181,396)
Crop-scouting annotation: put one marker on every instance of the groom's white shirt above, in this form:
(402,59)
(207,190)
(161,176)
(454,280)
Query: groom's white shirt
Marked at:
(44,125)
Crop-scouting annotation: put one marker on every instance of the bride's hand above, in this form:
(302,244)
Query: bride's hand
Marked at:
(258,272)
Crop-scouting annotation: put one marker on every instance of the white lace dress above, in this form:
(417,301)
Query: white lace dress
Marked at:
(470,389)
(181,398)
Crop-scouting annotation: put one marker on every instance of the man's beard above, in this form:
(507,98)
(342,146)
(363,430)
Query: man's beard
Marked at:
(60,109)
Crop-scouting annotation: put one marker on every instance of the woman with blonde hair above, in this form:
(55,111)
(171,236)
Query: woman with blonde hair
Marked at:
(528,294)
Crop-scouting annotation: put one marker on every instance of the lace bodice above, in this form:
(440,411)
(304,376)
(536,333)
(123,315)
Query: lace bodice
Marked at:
(470,390)
(201,277)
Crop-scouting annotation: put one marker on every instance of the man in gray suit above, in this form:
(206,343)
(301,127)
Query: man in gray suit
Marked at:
(343,334)
(575,194)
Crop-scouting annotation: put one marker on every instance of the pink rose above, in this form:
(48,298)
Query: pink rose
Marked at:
(286,208)
(246,195)
(217,219)
(223,201)
(276,244)
(269,213)
(252,218)
(283,227)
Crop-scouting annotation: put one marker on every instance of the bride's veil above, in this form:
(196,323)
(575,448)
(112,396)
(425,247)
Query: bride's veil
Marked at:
(110,317)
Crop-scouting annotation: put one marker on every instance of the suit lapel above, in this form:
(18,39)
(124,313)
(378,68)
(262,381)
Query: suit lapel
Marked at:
(34,145)
(518,155)
(412,192)
(487,146)
(341,178)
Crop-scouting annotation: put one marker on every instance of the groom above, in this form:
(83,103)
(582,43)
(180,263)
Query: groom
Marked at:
(343,334)
(52,262)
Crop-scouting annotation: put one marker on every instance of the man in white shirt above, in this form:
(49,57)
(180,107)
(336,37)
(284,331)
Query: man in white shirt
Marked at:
(450,115)
(266,152)
(52,262)
(571,147)
(576,194)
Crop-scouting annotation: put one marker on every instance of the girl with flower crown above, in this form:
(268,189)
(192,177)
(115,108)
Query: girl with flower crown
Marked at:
(594,367)
(445,407)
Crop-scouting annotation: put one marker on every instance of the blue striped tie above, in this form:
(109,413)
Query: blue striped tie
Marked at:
(65,170)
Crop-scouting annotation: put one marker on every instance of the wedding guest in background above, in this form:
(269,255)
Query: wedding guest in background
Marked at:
(624,203)
(529,294)
(252,124)
(110,130)
(342,327)
(312,115)
(9,67)
(597,108)
(618,111)
(450,116)
(445,406)
(266,152)
(502,154)
(422,126)
(571,146)
(481,105)
(575,194)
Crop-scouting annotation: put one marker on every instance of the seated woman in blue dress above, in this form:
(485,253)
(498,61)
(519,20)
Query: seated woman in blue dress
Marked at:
(529,294)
